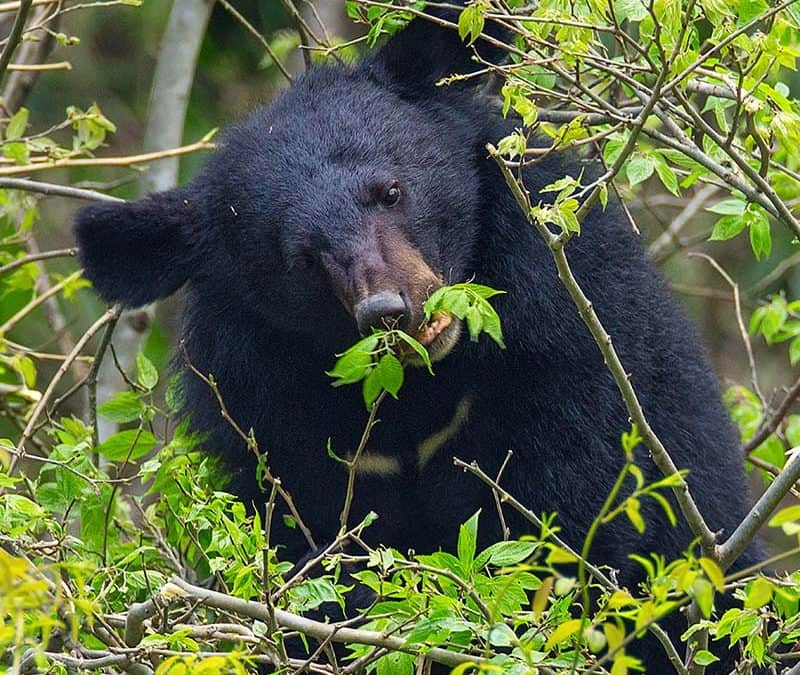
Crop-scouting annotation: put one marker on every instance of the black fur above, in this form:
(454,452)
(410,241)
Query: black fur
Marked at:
(290,188)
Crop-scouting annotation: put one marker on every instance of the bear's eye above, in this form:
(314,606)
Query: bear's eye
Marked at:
(303,262)
(392,195)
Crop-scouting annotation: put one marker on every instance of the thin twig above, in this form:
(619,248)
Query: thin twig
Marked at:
(14,6)
(91,377)
(775,274)
(33,257)
(687,214)
(258,36)
(498,505)
(19,83)
(252,445)
(14,36)
(352,465)
(38,300)
(40,406)
(53,190)
(129,160)
(530,516)
(748,347)
(39,67)
(770,425)
(52,309)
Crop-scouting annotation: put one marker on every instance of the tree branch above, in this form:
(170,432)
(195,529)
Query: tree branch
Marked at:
(658,452)
(129,160)
(315,629)
(14,36)
(748,528)
(53,190)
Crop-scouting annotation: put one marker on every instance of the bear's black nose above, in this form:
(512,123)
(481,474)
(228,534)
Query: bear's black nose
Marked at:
(379,311)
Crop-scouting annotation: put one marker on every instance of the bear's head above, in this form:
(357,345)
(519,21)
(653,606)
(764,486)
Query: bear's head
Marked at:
(341,206)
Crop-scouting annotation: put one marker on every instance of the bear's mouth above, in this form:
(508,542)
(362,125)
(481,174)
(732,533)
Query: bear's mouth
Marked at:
(438,335)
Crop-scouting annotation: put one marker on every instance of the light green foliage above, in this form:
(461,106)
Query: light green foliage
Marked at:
(376,360)
(738,93)
(562,212)
(383,20)
(469,302)
(471,21)
(373,362)
(737,215)
(777,322)
(515,600)
(90,129)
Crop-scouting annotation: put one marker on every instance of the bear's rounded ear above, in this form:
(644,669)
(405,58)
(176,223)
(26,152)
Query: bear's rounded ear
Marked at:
(137,252)
(424,52)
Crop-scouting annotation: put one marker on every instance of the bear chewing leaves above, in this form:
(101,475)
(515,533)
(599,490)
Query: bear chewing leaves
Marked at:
(345,204)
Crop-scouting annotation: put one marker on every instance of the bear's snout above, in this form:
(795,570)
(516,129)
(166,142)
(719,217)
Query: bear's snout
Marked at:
(381,278)
(380,310)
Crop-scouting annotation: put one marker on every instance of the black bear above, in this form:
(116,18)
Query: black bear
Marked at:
(348,201)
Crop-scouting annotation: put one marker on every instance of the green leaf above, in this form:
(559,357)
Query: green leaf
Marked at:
(565,630)
(639,168)
(93,517)
(787,515)
(467,541)
(713,572)
(312,593)
(603,195)
(505,553)
(371,388)
(482,291)
(474,320)
(705,658)
(595,640)
(774,317)
(501,635)
(727,227)
(758,593)
(792,432)
(469,302)
(21,505)
(666,507)
(418,348)
(17,151)
(667,176)
(395,663)
(634,515)
(729,207)
(491,326)
(17,124)
(633,10)
(124,406)
(390,373)
(146,372)
(749,10)
(355,364)
(794,351)
(130,444)
(760,238)
(703,593)
(174,395)
(470,23)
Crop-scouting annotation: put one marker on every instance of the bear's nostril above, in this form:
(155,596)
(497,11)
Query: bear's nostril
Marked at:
(380,310)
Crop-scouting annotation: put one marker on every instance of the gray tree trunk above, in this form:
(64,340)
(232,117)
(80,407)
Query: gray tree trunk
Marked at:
(169,98)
